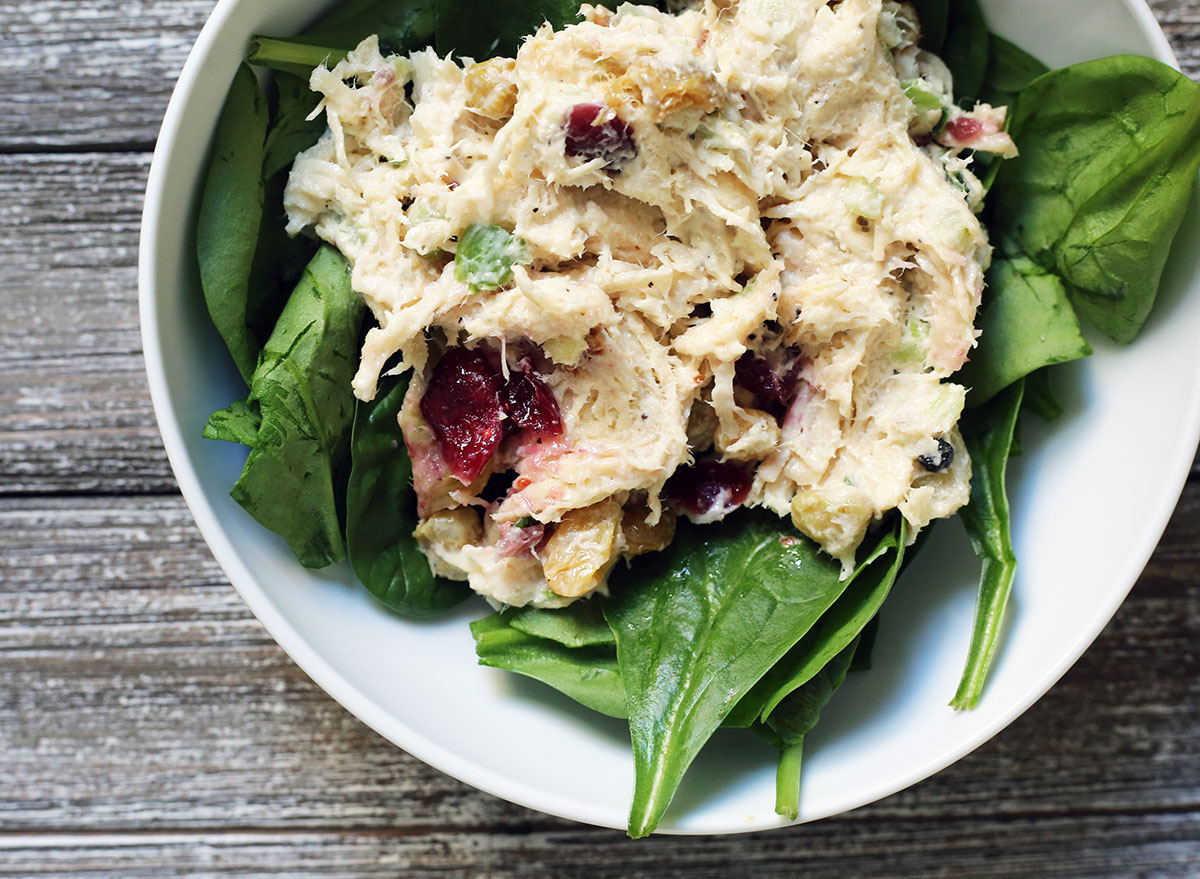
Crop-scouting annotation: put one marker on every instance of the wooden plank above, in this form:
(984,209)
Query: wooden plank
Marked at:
(91,72)
(1084,847)
(75,414)
(138,694)
(78,74)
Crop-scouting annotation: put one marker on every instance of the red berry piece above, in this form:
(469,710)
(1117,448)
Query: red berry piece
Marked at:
(589,138)
(756,375)
(964,129)
(530,403)
(708,490)
(462,404)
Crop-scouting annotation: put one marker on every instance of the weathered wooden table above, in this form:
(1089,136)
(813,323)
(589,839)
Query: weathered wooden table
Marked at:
(149,727)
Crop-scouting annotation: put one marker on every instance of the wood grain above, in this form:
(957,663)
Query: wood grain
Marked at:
(86,74)
(149,727)
(128,659)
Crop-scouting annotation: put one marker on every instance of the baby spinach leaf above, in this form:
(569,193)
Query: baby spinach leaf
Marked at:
(381,513)
(1026,322)
(965,50)
(401,25)
(486,255)
(578,625)
(483,30)
(301,388)
(838,627)
(988,432)
(1039,396)
(239,423)
(1010,70)
(697,626)
(1109,156)
(589,675)
(292,131)
(795,718)
(231,208)
(934,18)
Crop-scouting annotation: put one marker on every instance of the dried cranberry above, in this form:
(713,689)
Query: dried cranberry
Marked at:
(611,140)
(756,375)
(945,457)
(709,490)
(530,403)
(462,404)
(964,129)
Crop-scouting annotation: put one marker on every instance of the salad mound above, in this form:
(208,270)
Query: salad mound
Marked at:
(660,264)
(643,268)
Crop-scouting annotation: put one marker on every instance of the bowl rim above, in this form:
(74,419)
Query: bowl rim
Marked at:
(348,695)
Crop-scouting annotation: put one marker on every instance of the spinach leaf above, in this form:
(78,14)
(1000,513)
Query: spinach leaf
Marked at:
(486,255)
(696,627)
(988,432)
(795,718)
(1109,156)
(299,387)
(1026,322)
(401,25)
(934,17)
(837,627)
(1010,70)
(231,211)
(381,513)
(578,625)
(292,132)
(483,30)
(589,675)
(1039,396)
(966,49)
(239,423)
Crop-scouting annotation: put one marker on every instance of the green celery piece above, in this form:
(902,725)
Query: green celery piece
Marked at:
(381,513)
(300,387)
(837,628)
(1109,156)
(1027,323)
(231,210)
(988,433)
(578,625)
(795,718)
(486,254)
(919,97)
(697,626)
(589,675)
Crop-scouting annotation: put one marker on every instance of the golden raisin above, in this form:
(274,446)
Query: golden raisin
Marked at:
(641,537)
(581,549)
(491,91)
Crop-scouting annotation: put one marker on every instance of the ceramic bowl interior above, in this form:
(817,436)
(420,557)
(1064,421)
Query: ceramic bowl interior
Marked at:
(1091,497)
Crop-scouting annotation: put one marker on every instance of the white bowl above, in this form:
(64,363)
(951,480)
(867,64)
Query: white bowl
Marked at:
(1091,497)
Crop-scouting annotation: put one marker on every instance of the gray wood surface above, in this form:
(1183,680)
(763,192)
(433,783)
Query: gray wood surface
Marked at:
(149,727)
